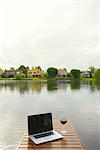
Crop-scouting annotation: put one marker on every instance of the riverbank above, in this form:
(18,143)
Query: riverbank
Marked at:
(88,79)
(45,79)
(38,79)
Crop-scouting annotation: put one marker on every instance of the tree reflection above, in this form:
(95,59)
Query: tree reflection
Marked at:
(95,85)
(75,84)
(52,85)
(21,86)
(92,84)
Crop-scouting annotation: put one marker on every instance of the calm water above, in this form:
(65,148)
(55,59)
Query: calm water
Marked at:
(79,101)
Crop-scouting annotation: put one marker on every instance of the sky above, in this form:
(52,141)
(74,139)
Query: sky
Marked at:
(50,33)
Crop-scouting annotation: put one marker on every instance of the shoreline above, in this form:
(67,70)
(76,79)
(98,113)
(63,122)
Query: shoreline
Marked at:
(38,79)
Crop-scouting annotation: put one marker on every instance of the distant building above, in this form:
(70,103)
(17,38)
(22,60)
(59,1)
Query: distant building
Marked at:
(19,71)
(85,74)
(9,73)
(35,72)
(62,73)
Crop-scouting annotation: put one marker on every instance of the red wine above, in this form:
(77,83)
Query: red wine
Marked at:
(63,121)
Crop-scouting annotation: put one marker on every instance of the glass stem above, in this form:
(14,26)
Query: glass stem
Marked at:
(64,128)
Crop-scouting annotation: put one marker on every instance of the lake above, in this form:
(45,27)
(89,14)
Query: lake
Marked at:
(78,100)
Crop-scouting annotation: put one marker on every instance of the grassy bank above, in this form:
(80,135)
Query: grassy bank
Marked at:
(88,79)
(42,79)
(5,79)
(35,79)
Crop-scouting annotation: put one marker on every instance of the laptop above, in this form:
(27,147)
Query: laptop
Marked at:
(40,129)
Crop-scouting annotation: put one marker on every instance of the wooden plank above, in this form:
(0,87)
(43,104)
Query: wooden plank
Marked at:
(70,141)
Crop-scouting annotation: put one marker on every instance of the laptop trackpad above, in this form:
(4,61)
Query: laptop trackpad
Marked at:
(43,135)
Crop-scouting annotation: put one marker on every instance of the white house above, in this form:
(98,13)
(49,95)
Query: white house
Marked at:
(85,74)
(62,73)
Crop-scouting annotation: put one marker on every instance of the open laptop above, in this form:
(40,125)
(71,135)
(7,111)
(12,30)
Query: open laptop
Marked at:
(40,128)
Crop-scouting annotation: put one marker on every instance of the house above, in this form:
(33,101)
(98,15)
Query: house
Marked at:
(19,71)
(85,74)
(35,72)
(9,73)
(62,73)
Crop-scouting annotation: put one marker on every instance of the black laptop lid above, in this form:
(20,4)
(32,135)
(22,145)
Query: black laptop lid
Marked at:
(39,123)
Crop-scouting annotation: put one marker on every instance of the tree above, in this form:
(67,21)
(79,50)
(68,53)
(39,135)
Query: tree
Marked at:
(38,67)
(92,70)
(69,75)
(45,74)
(18,76)
(75,73)
(52,72)
(97,74)
(12,68)
(23,69)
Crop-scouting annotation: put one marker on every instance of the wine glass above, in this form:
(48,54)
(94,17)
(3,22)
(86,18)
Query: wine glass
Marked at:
(63,121)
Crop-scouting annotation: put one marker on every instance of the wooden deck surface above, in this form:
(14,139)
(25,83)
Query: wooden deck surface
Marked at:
(70,140)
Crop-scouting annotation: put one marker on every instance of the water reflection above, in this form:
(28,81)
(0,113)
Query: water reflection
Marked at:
(95,85)
(75,84)
(92,84)
(52,85)
(22,86)
(27,86)
(77,99)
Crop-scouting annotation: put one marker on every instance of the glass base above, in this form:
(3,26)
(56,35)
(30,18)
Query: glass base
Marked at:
(63,132)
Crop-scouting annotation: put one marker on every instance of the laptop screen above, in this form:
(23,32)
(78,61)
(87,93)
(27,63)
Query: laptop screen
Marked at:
(39,123)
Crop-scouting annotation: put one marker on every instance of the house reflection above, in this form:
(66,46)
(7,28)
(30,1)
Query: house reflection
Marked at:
(62,84)
(23,86)
(37,86)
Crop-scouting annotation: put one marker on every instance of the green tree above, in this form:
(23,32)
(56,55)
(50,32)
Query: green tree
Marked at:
(69,75)
(52,72)
(18,76)
(92,70)
(45,74)
(23,69)
(75,73)
(97,74)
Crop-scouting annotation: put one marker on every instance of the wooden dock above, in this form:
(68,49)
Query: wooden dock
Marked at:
(70,141)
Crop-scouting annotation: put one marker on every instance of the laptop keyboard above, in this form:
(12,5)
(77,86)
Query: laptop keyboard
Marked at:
(43,135)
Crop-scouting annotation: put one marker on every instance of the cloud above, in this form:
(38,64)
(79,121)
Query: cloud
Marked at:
(49,33)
